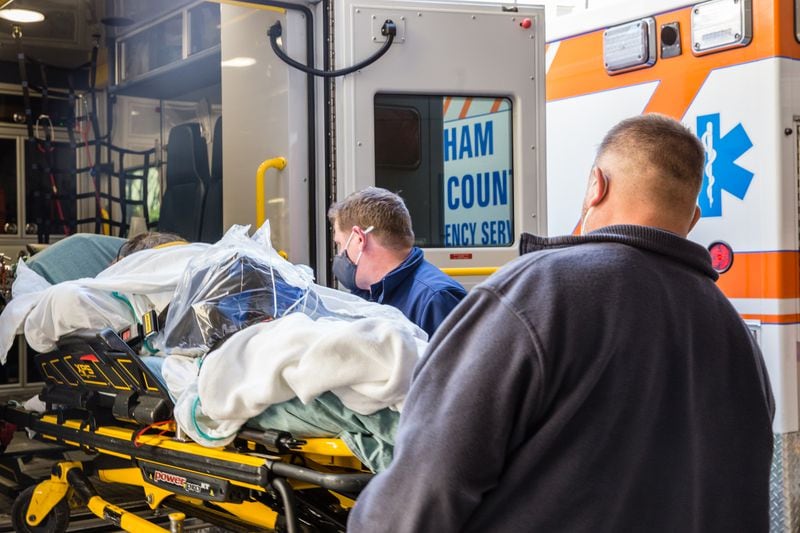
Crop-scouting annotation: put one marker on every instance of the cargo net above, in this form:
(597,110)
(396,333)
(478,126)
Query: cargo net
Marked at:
(112,173)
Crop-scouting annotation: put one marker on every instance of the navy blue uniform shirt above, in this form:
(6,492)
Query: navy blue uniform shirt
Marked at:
(425,294)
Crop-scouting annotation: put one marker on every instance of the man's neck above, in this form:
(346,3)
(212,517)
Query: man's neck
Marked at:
(386,262)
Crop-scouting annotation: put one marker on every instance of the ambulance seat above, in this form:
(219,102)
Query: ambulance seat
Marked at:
(212,214)
(187,178)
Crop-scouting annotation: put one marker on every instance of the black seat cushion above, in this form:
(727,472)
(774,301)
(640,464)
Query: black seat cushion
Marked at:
(187,181)
(212,214)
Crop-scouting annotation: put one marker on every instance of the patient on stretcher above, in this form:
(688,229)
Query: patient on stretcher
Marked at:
(249,339)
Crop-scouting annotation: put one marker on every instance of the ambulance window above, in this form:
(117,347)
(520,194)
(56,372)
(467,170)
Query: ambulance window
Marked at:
(450,158)
(397,137)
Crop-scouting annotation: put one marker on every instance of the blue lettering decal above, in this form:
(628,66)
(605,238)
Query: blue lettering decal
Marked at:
(484,140)
(452,199)
(449,144)
(483,188)
(467,191)
(500,187)
(464,235)
(466,143)
(484,232)
(472,228)
(501,232)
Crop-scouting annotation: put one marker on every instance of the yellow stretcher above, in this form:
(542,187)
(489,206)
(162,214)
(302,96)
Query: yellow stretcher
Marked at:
(103,400)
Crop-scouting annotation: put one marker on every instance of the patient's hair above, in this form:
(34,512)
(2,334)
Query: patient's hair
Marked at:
(145,241)
(376,207)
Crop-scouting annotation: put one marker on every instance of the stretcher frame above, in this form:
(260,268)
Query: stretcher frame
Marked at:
(264,480)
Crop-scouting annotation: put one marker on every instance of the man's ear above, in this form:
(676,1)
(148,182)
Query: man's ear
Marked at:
(358,233)
(695,217)
(598,188)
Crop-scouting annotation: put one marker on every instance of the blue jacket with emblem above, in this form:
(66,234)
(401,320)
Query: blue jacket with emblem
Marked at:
(425,294)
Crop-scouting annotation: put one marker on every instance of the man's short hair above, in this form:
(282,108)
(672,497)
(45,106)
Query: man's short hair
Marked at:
(376,207)
(663,146)
(145,241)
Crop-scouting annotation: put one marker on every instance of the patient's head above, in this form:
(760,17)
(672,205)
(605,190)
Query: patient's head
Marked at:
(146,241)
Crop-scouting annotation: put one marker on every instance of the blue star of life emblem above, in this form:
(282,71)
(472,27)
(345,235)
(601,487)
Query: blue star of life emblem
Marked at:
(721,171)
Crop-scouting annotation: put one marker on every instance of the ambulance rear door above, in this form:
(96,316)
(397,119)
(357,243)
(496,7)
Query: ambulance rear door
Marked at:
(451,118)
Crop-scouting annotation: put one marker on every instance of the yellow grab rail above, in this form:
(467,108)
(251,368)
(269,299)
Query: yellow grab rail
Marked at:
(470,271)
(276,162)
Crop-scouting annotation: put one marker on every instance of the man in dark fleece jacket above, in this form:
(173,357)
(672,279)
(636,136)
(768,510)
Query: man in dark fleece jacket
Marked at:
(599,383)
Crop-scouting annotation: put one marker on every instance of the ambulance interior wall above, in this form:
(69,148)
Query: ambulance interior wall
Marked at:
(265,117)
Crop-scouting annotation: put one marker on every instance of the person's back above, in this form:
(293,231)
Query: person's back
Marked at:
(651,392)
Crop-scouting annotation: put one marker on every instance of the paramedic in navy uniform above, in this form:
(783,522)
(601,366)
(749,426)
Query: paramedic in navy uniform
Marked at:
(599,383)
(378,261)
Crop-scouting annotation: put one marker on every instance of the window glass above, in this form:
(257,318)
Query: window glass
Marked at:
(8,186)
(397,137)
(204,31)
(154,47)
(135,192)
(450,158)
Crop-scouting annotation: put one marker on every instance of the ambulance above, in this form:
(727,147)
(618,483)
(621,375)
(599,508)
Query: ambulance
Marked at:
(729,70)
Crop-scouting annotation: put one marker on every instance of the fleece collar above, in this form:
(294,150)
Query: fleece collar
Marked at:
(644,237)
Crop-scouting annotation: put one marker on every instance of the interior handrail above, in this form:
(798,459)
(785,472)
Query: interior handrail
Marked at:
(278,163)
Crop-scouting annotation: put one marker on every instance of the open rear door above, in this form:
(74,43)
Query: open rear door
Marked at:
(451,117)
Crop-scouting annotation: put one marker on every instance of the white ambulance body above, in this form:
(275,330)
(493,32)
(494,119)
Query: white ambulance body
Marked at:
(729,70)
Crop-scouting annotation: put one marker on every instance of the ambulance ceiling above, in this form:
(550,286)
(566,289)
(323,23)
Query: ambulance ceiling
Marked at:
(65,38)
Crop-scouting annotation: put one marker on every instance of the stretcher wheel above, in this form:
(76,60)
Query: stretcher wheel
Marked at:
(56,521)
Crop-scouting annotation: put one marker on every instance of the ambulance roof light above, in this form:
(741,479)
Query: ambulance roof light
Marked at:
(721,24)
(630,46)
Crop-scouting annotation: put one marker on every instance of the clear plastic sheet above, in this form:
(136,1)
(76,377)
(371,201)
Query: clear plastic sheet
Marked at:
(237,282)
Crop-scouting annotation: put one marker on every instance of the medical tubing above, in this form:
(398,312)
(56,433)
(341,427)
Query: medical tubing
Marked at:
(389,29)
(128,303)
(195,405)
(287,495)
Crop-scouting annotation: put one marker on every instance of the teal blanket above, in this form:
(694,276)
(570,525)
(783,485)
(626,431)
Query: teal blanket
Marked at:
(369,437)
(83,255)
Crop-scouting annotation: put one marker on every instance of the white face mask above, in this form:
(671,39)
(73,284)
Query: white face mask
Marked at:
(589,211)
(583,222)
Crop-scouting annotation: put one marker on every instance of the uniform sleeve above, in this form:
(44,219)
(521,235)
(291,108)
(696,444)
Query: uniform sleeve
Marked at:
(481,370)
(438,307)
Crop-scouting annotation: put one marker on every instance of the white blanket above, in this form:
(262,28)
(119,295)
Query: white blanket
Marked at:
(367,363)
(48,312)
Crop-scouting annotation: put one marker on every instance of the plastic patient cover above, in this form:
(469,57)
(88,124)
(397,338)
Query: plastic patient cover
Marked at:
(238,282)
